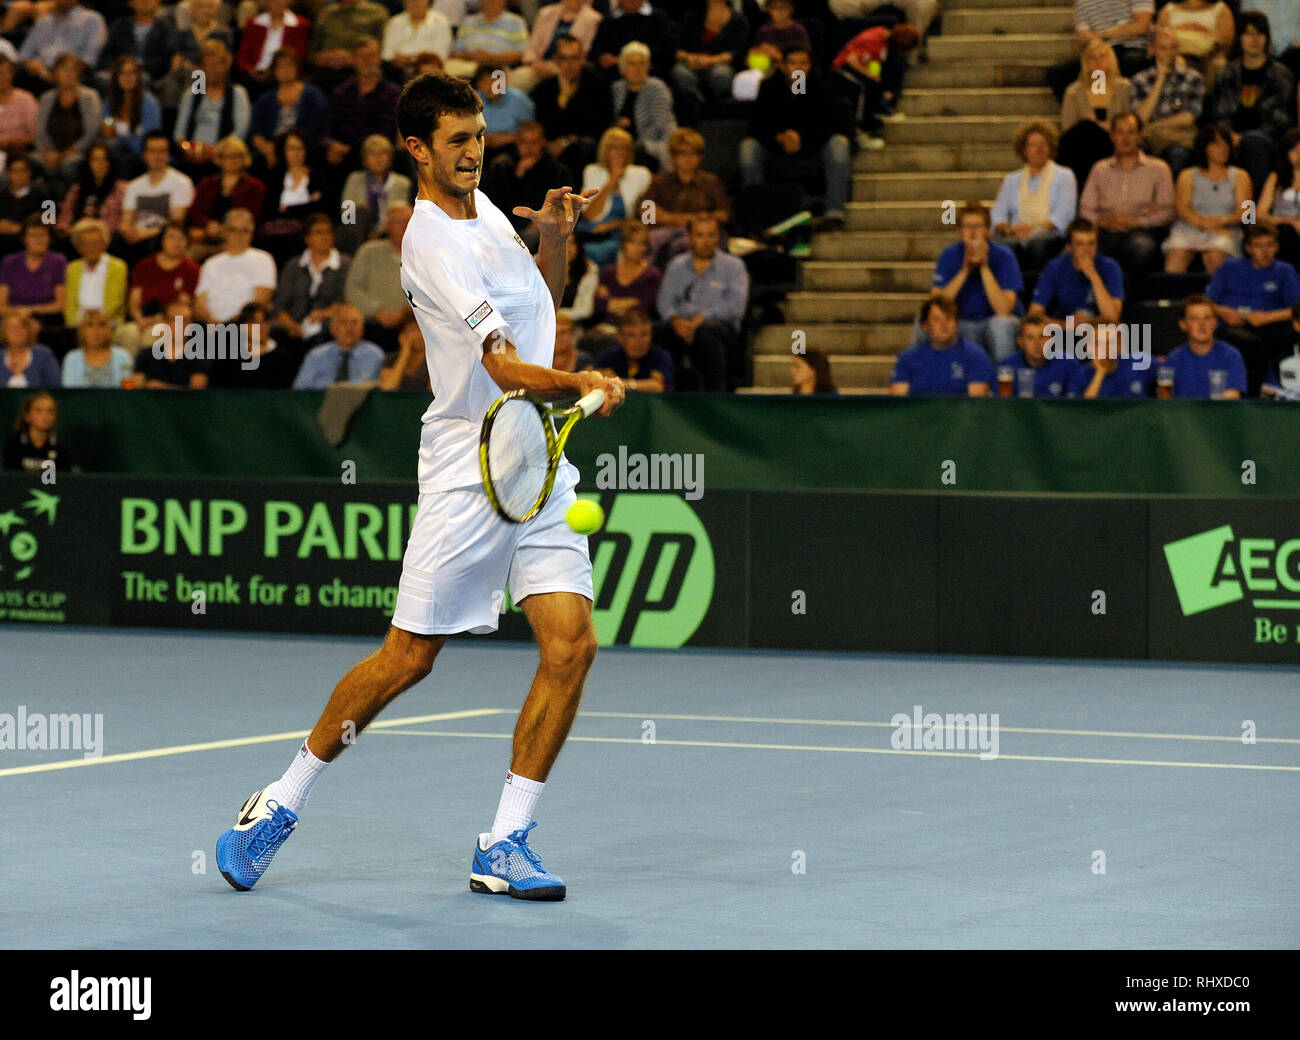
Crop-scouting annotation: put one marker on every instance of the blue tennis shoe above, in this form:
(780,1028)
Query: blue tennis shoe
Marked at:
(246,850)
(511,867)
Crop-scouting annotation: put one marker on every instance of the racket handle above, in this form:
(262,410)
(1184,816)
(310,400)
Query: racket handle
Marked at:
(591,402)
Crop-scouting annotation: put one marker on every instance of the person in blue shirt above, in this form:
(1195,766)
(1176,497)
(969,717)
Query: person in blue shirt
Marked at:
(1079,283)
(1252,297)
(943,363)
(641,365)
(983,278)
(1032,372)
(1205,367)
(504,109)
(1113,371)
(347,358)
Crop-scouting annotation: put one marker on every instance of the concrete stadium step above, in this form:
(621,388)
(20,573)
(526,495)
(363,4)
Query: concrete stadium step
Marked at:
(975,101)
(901,216)
(893,187)
(845,391)
(889,276)
(866,338)
(986,5)
(989,48)
(931,158)
(953,130)
(862,307)
(881,245)
(1047,20)
(1007,73)
(846,369)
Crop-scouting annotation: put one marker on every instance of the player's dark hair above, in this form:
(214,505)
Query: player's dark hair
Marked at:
(428,98)
(1195,300)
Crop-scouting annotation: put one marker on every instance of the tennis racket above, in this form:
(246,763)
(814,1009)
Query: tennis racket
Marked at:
(519,450)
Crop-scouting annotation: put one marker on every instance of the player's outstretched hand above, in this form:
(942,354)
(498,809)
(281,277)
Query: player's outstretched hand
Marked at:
(560,212)
(613,387)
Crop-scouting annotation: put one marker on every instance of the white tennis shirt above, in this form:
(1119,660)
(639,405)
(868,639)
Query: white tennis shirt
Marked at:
(467,279)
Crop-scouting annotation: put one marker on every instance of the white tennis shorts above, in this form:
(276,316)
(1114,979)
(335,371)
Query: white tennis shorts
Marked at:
(461,556)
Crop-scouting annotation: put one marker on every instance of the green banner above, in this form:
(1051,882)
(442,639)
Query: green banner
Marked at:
(1210,448)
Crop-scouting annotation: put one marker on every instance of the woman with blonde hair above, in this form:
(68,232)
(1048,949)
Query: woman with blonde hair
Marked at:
(96,362)
(1099,93)
(90,286)
(620,183)
(233,187)
(1037,202)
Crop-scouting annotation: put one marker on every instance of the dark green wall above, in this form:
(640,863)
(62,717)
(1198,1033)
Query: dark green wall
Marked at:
(749,443)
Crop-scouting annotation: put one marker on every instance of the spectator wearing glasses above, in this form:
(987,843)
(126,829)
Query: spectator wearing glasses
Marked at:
(237,276)
(218,193)
(1037,202)
(681,193)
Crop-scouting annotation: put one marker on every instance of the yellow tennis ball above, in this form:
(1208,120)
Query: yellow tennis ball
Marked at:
(760,62)
(873,70)
(585,516)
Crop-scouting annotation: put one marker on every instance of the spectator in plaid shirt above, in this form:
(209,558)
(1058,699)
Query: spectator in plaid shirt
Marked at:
(1168,98)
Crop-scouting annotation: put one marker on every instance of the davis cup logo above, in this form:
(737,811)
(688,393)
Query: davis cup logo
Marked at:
(18,542)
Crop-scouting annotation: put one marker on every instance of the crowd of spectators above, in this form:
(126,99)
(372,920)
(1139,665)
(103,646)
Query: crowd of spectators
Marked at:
(1173,175)
(166,162)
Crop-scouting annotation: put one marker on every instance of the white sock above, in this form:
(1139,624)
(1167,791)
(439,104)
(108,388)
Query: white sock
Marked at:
(515,810)
(292,789)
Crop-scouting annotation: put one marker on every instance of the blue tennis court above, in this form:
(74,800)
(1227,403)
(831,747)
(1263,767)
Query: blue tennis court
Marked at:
(705,799)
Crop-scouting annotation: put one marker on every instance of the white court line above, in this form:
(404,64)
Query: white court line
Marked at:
(213,745)
(890,725)
(854,750)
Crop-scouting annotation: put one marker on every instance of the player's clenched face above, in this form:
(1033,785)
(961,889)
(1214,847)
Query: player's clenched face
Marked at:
(457,156)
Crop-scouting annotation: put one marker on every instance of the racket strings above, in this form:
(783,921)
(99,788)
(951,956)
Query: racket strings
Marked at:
(517,456)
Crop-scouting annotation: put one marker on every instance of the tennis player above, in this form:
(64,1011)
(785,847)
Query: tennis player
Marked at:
(487,311)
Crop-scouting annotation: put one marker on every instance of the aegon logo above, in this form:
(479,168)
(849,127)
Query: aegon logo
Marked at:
(1215,568)
(653,571)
